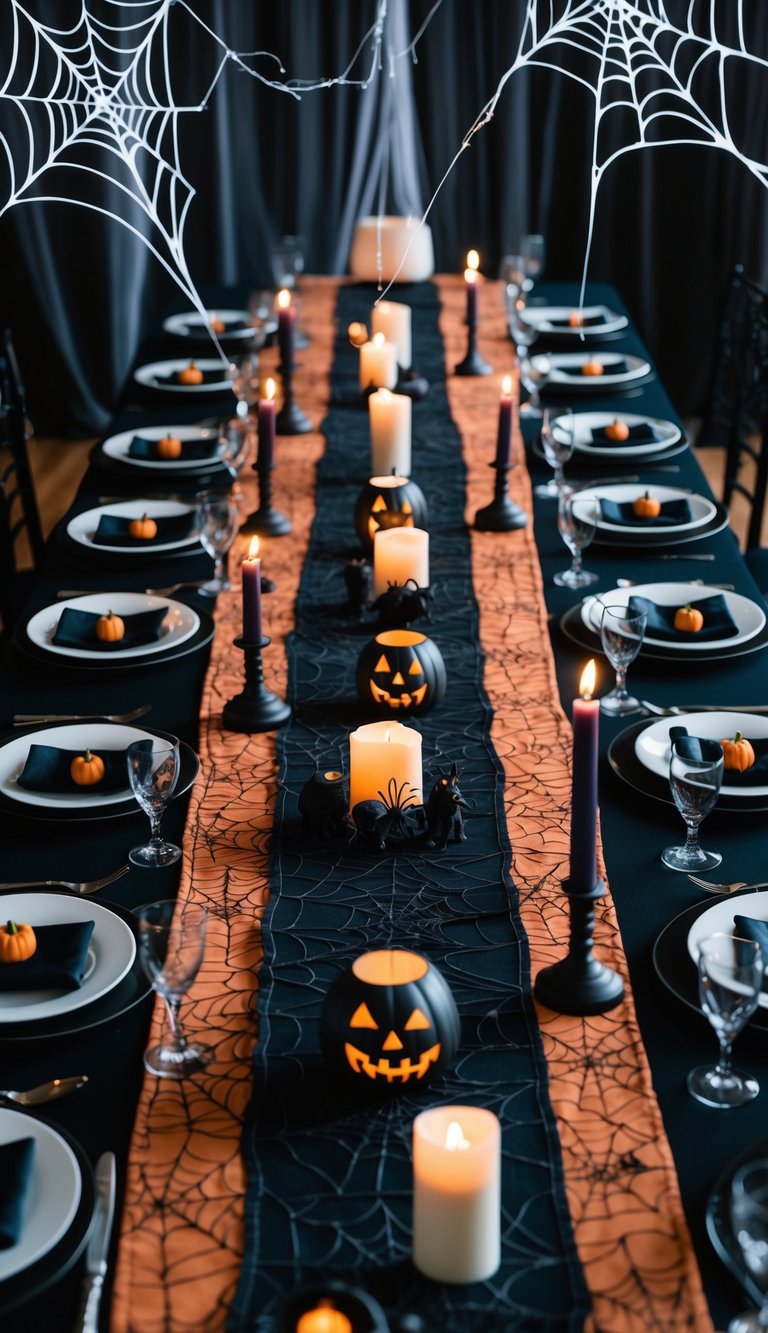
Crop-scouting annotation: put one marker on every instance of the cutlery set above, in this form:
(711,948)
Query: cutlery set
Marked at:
(82,886)
(65,593)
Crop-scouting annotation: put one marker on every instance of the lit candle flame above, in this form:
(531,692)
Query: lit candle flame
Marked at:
(283,298)
(253,549)
(454,1137)
(379,340)
(587,679)
(269,388)
(506,385)
(473,259)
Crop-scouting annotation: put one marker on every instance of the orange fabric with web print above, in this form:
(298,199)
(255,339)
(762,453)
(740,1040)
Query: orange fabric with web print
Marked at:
(181,1236)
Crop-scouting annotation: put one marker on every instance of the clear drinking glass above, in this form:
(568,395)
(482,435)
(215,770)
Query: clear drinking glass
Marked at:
(288,261)
(217,521)
(245,374)
(695,784)
(576,522)
(557,448)
(621,635)
(153,771)
(533,253)
(749,1219)
(730,978)
(171,948)
(532,375)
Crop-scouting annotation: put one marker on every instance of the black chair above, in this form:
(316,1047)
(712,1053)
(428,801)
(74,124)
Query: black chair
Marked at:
(738,363)
(21,537)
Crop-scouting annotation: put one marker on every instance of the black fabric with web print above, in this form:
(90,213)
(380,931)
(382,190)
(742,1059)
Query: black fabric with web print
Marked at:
(329,1167)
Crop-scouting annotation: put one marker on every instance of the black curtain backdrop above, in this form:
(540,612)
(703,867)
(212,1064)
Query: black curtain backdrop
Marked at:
(79,291)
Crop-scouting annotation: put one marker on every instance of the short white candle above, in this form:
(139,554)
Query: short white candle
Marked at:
(393,319)
(378,363)
(457,1193)
(400,554)
(390,421)
(379,752)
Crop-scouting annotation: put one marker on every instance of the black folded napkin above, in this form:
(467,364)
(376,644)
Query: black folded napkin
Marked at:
(192,451)
(611,368)
(660,624)
(16,1163)
(217,376)
(47,769)
(562,322)
(696,747)
(114,530)
(58,963)
(77,629)
(747,928)
(673,512)
(639,434)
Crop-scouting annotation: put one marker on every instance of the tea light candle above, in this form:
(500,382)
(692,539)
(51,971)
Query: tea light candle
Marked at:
(471,278)
(393,319)
(251,572)
(266,428)
(378,364)
(586,722)
(504,436)
(390,421)
(398,555)
(286,327)
(457,1193)
(379,752)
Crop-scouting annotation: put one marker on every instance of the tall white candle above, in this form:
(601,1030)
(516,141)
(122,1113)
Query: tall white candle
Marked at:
(400,554)
(457,1193)
(393,319)
(379,752)
(378,364)
(390,421)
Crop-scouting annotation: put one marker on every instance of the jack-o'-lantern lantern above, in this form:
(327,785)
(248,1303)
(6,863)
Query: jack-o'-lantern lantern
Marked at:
(388,502)
(401,671)
(390,1019)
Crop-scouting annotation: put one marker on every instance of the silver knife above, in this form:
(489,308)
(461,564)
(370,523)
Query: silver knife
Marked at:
(98,1245)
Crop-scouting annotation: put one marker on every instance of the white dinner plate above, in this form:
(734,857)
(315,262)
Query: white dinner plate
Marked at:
(73,736)
(653,749)
(190,324)
(149,375)
(585,422)
(180,623)
(562,370)
(748,617)
(82,528)
(702,509)
(541,318)
(718,919)
(52,1197)
(112,943)
(117,447)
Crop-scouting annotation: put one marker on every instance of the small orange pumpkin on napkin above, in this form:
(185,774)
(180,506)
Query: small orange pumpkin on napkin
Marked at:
(738,754)
(647,506)
(87,769)
(191,374)
(144,528)
(110,628)
(17,942)
(169,447)
(689,619)
(618,430)
(593,368)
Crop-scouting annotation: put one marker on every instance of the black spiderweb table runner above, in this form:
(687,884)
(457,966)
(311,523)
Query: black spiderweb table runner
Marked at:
(329,1170)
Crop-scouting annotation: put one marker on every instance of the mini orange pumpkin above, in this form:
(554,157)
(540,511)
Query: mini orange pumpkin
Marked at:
(191,374)
(593,368)
(738,753)
(17,942)
(110,628)
(145,528)
(169,447)
(646,506)
(575,319)
(618,430)
(217,325)
(87,769)
(689,619)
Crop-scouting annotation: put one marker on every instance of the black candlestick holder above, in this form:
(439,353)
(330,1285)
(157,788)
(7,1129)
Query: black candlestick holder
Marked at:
(579,984)
(502,514)
(266,520)
(290,419)
(256,708)
(473,363)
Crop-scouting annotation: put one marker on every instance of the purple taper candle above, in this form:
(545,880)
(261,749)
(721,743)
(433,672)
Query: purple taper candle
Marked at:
(266,428)
(586,720)
(286,327)
(252,594)
(471,276)
(504,436)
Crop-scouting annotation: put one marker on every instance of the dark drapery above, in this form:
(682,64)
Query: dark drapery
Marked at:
(79,289)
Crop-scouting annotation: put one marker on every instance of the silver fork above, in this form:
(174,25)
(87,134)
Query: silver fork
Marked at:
(84,886)
(28,719)
(725,888)
(64,593)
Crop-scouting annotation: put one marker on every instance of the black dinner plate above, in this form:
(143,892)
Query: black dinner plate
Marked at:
(132,990)
(676,969)
(718,1219)
(202,636)
(573,628)
(189,767)
(58,1261)
(627,766)
(664,536)
(200,479)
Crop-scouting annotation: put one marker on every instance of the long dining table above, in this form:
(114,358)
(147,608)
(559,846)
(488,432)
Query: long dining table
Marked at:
(638,1156)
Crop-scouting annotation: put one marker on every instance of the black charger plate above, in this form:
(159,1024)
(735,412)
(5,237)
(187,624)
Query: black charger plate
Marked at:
(718,1218)
(653,537)
(573,628)
(201,637)
(675,967)
(627,766)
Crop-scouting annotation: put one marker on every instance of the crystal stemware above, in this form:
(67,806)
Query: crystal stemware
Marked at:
(532,374)
(730,979)
(576,522)
(217,521)
(695,784)
(153,771)
(749,1219)
(245,374)
(621,634)
(288,261)
(171,948)
(557,447)
(532,252)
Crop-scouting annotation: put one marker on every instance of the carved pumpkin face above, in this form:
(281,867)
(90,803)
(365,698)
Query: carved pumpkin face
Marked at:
(401,671)
(390,1019)
(388,502)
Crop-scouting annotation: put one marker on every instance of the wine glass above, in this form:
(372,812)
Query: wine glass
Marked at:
(557,447)
(217,523)
(749,1219)
(512,274)
(288,261)
(533,374)
(621,634)
(695,784)
(576,522)
(245,374)
(730,980)
(532,253)
(171,948)
(153,771)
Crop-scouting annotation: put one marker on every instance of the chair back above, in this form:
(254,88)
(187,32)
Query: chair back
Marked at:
(21,537)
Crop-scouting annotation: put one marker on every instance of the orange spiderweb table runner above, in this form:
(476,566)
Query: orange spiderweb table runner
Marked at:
(180,1249)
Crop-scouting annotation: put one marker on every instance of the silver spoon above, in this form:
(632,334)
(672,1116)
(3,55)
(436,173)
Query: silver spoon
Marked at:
(46,1092)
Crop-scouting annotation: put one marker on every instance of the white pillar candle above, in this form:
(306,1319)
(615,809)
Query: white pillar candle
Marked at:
(378,364)
(457,1193)
(390,420)
(379,752)
(393,319)
(400,554)
(392,249)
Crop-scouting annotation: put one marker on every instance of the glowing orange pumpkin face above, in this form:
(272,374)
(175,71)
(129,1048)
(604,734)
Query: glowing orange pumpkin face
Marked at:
(388,502)
(401,671)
